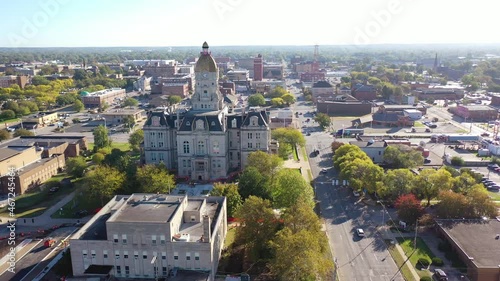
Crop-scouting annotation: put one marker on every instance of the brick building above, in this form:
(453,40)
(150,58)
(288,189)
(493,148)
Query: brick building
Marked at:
(99,98)
(364,92)
(177,89)
(7,81)
(258,68)
(476,112)
(353,108)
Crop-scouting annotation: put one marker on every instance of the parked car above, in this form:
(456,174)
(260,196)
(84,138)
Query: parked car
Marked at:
(360,232)
(324,171)
(440,275)
(356,194)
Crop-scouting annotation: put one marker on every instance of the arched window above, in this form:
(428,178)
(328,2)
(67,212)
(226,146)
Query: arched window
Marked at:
(186,147)
(233,123)
(201,148)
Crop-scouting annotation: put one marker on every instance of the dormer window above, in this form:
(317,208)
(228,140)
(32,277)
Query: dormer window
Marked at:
(233,123)
(188,123)
(213,123)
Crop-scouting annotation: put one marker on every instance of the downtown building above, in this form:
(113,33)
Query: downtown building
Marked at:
(152,236)
(209,139)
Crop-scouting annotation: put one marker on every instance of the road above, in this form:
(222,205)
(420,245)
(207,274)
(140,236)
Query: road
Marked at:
(365,259)
(37,259)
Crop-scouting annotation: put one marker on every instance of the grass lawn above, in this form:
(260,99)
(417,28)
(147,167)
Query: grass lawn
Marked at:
(418,124)
(80,202)
(123,146)
(231,235)
(399,260)
(35,202)
(304,153)
(309,173)
(494,195)
(295,154)
(422,251)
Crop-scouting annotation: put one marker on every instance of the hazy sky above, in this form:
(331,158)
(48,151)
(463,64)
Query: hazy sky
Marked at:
(85,23)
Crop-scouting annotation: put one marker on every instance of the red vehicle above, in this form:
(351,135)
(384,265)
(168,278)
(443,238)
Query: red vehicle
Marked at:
(49,242)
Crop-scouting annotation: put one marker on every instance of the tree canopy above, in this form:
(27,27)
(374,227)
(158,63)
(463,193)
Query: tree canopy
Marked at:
(230,191)
(154,179)
(323,120)
(256,100)
(101,138)
(402,156)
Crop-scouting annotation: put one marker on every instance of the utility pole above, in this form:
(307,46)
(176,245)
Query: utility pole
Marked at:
(415,240)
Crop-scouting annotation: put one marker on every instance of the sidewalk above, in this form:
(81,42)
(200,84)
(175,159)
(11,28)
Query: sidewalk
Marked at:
(45,219)
(387,234)
(302,164)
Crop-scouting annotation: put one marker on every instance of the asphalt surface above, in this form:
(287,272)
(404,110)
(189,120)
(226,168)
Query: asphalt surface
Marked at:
(38,258)
(357,259)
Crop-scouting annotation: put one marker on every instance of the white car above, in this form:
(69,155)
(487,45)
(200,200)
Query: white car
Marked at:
(356,194)
(360,232)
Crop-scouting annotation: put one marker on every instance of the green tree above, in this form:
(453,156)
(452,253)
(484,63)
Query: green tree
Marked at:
(4,135)
(233,197)
(277,92)
(429,183)
(154,179)
(396,183)
(130,102)
(135,139)
(323,120)
(253,183)
(7,114)
(402,156)
(129,121)
(288,135)
(362,174)
(288,98)
(76,166)
(39,80)
(258,226)
(289,187)
(174,99)
(480,202)
(277,102)
(463,183)
(97,158)
(23,133)
(103,181)
(347,153)
(23,110)
(101,138)
(267,164)
(12,105)
(452,205)
(457,161)
(78,106)
(409,208)
(256,100)
(299,256)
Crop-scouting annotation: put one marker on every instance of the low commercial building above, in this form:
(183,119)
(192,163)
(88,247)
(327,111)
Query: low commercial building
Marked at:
(439,94)
(34,174)
(364,92)
(29,169)
(322,90)
(341,108)
(476,112)
(477,244)
(70,146)
(175,89)
(99,98)
(413,114)
(238,75)
(7,81)
(43,118)
(374,149)
(117,116)
(400,108)
(151,236)
(266,85)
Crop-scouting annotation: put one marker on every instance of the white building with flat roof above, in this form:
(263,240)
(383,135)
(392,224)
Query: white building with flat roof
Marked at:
(150,236)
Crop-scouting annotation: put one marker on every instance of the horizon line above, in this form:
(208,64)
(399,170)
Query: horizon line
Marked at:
(285,45)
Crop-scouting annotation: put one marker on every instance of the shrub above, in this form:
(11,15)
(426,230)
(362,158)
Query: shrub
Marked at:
(437,261)
(425,278)
(423,262)
(457,161)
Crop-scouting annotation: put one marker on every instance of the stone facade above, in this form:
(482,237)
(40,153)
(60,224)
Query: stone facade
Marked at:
(210,139)
(145,236)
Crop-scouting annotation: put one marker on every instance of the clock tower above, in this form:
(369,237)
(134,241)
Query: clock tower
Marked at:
(207,96)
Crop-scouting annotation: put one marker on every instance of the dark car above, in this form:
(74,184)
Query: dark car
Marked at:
(440,275)
(54,189)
